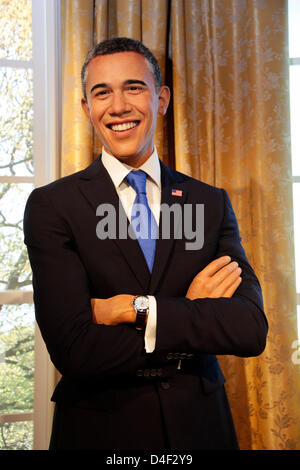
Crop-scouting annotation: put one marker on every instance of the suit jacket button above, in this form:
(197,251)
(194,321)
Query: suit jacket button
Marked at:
(153,372)
(140,373)
(159,372)
(146,372)
(165,385)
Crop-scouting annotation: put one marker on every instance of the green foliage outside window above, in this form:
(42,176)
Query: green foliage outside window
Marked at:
(16,160)
(16,373)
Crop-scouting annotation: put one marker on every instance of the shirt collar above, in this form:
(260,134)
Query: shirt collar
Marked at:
(118,170)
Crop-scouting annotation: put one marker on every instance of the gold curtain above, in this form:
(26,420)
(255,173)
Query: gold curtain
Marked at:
(228,125)
(231,130)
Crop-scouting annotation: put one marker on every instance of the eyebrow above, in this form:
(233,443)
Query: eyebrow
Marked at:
(127,82)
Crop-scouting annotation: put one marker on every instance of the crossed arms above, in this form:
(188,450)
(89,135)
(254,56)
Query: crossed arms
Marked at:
(220,278)
(219,315)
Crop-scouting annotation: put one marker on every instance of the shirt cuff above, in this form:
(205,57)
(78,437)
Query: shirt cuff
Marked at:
(150,331)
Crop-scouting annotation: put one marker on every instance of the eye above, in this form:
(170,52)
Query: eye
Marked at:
(101,93)
(135,89)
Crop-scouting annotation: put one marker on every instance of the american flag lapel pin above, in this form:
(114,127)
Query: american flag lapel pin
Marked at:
(176,192)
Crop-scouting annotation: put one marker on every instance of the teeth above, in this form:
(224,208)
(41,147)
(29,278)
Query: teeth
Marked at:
(123,127)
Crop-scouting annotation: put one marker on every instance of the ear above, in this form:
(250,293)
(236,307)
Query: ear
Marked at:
(164,99)
(85,107)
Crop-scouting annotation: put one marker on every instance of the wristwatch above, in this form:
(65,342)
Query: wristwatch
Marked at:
(141,306)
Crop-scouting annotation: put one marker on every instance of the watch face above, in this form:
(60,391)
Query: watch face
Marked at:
(141,303)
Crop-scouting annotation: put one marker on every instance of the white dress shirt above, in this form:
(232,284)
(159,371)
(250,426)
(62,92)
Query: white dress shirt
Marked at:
(118,171)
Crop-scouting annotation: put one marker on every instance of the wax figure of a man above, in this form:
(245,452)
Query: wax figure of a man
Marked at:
(136,337)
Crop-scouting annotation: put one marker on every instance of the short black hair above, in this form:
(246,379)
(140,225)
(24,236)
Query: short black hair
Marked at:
(114,45)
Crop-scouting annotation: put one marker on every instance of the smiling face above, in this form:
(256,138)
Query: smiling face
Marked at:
(122,104)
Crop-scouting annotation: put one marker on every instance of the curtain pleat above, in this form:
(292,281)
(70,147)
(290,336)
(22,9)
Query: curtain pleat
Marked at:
(228,125)
(77,39)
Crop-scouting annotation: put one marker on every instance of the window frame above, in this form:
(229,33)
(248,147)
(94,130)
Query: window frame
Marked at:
(46,68)
(295,61)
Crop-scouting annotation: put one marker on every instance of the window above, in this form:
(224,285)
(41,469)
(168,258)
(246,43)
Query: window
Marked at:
(294,54)
(29,134)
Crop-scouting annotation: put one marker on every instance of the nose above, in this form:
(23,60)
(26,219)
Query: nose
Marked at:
(119,105)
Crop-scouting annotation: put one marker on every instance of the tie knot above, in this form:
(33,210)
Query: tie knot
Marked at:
(137,180)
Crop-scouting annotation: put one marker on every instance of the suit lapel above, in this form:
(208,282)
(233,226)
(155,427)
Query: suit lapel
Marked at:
(98,188)
(164,245)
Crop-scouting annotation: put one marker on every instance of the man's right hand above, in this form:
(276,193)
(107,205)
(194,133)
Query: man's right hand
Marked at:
(220,278)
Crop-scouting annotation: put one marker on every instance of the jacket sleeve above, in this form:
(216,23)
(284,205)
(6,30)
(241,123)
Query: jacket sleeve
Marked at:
(78,347)
(236,325)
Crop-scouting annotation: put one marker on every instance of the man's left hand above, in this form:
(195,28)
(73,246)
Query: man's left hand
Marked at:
(114,310)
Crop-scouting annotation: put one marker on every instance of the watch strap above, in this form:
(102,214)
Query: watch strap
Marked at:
(141,319)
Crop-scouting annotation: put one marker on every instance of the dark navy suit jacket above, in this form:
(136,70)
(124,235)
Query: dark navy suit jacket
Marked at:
(112,395)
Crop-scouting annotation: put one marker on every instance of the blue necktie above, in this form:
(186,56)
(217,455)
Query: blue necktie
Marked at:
(142,219)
